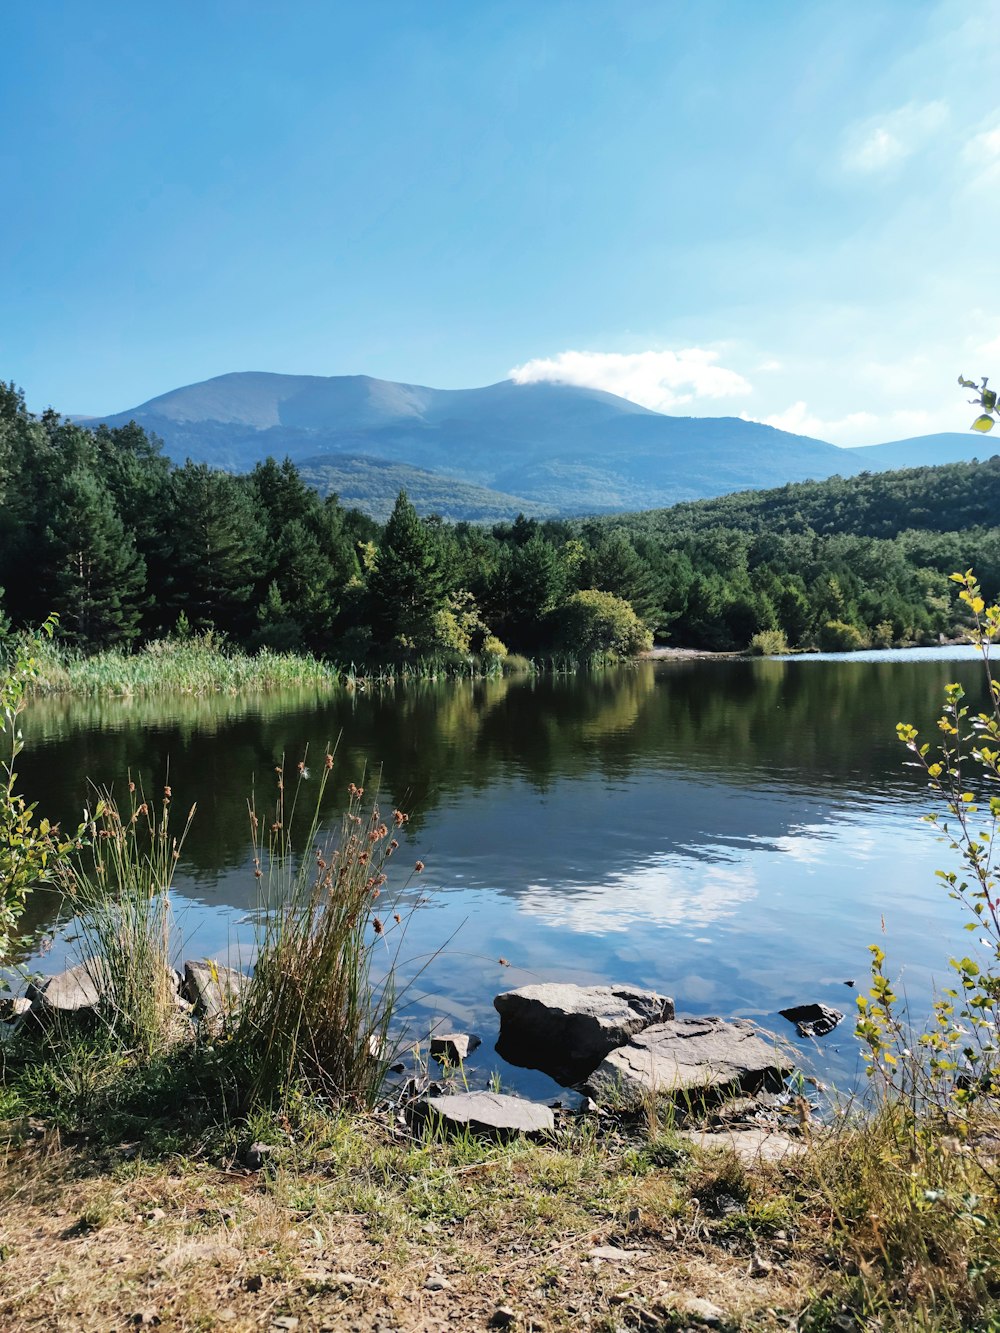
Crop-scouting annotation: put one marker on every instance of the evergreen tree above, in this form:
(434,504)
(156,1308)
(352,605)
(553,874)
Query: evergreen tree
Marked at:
(212,548)
(407,586)
(90,572)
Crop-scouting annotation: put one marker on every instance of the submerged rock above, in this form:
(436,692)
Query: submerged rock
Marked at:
(690,1058)
(566,1030)
(492,1113)
(813,1020)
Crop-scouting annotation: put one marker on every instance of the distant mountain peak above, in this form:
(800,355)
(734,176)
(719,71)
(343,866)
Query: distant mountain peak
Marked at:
(560,447)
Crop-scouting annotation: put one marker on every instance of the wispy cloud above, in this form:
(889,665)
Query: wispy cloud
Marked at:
(882,142)
(659,380)
(800,421)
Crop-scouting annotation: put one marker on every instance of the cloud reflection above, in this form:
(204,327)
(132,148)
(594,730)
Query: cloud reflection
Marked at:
(662,894)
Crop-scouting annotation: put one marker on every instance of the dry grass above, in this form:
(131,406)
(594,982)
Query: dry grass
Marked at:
(348,1239)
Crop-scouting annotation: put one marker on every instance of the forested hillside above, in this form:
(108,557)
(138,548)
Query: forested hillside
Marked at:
(127,547)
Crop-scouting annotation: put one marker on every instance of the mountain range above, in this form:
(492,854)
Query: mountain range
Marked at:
(489,453)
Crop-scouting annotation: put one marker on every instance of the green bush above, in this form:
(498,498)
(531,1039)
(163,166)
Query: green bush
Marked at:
(593,622)
(768,643)
(836,636)
(31,851)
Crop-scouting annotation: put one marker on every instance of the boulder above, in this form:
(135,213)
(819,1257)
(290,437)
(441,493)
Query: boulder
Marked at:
(453,1046)
(566,1030)
(79,990)
(492,1113)
(214,990)
(813,1020)
(701,1059)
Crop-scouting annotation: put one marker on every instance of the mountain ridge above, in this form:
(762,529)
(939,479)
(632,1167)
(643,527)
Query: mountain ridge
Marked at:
(559,448)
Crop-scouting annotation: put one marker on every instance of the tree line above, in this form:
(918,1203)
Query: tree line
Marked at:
(126,547)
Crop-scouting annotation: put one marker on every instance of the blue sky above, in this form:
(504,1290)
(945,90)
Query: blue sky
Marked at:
(774,208)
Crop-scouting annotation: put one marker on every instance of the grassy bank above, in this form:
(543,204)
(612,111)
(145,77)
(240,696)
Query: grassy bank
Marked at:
(202,665)
(365,1221)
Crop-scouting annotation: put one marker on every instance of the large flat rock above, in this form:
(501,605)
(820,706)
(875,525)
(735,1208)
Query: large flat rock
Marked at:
(492,1113)
(78,990)
(567,1030)
(750,1143)
(691,1058)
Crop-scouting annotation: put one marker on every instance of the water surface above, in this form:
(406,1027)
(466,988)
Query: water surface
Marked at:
(733,833)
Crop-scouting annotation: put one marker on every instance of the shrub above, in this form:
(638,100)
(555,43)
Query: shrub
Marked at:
(593,622)
(836,636)
(769,643)
(31,850)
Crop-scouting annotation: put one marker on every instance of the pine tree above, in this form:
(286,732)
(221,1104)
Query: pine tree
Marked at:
(90,572)
(213,549)
(407,586)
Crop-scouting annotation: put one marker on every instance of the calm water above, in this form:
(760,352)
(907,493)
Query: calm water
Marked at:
(733,833)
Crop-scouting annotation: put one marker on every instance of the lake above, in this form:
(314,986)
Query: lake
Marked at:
(734,833)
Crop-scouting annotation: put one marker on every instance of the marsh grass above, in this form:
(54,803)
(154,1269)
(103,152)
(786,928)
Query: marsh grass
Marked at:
(207,664)
(120,890)
(315,1015)
(200,664)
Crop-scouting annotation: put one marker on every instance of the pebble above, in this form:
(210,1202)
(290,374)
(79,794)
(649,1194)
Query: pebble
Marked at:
(437,1282)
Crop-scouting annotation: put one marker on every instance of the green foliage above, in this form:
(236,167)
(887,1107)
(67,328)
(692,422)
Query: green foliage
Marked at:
(986,399)
(31,850)
(407,587)
(769,643)
(836,636)
(963,774)
(593,622)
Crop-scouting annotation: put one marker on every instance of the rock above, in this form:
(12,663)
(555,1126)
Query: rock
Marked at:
(155,1215)
(437,1282)
(759,1267)
(611,1254)
(13,1007)
(453,1046)
(694,1307)
(256,1155)
(492,1113)
(813,1020)
(750,1144)
(214,990)
(502,1317)
(693,1058)
(567,1030)
(79,990)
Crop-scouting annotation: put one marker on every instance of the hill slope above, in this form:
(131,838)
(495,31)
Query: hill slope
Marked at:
(556,447)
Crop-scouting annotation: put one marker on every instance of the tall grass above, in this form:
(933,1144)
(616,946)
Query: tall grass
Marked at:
(120,888)
(197,665)
(204,664)
(316,1012)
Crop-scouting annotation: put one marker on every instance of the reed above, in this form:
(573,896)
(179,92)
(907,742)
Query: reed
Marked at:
(316,1012)
(120,890)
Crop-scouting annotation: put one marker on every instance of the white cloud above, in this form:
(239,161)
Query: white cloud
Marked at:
(985,146)
(659,380)
(800,421)
(881,142)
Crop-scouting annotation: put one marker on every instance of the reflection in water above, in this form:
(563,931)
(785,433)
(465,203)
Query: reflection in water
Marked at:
(657,894)
(732,832)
